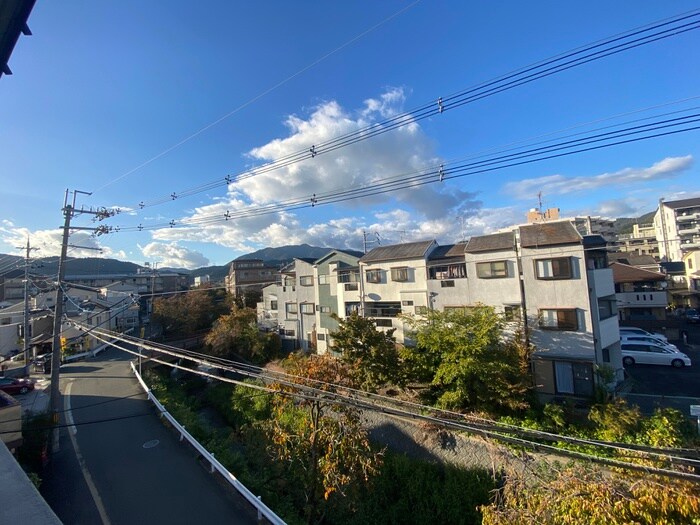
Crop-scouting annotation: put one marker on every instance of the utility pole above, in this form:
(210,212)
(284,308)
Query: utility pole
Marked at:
(25,326)
(69,212)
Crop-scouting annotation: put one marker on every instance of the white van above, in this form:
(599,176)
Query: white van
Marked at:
(631,330)
(652,354)
(634,338)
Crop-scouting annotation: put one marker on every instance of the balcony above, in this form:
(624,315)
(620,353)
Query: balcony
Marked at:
(688,217)
(609,332)
(602,282)
(646,299)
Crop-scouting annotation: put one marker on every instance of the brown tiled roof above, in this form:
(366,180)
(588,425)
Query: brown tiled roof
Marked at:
(448,251)
(683,203)
(495,242)
(409,250)
(624,273)
(548,234)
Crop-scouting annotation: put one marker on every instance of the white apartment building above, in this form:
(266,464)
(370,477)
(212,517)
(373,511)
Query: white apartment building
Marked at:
(295,301)
(546,276)
(677,227)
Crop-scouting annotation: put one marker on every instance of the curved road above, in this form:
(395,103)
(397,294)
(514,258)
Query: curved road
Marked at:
(132,469)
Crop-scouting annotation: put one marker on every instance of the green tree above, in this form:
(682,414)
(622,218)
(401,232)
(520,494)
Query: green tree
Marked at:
(371,355)
(323,445)
(467,360)
(236,333)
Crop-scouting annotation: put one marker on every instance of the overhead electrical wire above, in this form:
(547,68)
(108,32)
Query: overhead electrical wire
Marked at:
(307,392)
(579,56)
(591,141)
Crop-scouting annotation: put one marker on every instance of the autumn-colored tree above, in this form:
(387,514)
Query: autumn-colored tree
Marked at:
(237,334)
(467,360)
(323,444)
(580,495)
(186,313)
(371,355)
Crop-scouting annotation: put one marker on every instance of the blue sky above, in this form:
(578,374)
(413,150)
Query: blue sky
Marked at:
(136,100)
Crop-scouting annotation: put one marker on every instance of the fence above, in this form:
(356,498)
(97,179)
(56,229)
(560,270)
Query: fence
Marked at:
(263,510)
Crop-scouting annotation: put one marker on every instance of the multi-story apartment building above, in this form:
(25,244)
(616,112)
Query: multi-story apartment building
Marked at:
(548,277)
(642,240)
(249,274)
(692,276)
(677,226)
(585,225)
(296,308)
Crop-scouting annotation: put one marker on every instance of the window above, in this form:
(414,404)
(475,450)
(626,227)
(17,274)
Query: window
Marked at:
(574,378)
(492,270)
(323,279)
(373,276)
(511,312)
(273,305)
(323,309)
(306,280)
(607,308)
(448,271)
(348,277)
(289,281)
(351,287)
(307,308)
(289,333)
(291,308)
(350,308)
(5,320)
(377,309)
(560,319)
(406,303)
(399,274)
(421,310)
(559,268)
(321,337)
(386,323)
(447,284)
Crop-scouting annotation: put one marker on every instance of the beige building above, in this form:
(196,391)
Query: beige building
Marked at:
(677,227)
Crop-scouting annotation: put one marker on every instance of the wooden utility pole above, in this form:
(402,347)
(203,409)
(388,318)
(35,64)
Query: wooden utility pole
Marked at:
(69,212)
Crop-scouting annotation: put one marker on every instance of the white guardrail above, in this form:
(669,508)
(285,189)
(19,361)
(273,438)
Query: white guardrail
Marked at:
(263,510)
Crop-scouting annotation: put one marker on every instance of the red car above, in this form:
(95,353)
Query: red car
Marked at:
(13,385)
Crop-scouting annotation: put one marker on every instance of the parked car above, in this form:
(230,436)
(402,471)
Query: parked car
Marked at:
(13,385)
(692,315)
(634,338)
(42,363)
(652,354)
(639,331)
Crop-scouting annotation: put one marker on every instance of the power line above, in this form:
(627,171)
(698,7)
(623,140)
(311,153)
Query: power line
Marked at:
(590,142)
(495,433)
(261,95)
(589,53)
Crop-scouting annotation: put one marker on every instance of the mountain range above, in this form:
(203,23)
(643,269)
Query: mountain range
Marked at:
(271,256)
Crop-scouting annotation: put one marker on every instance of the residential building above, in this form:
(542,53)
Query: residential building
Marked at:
(641,294)
(677,226)
(692,275)
(336,278)
(199,280)
(296,315)
(545,278)
(249,274)
(393,280)
(642,241)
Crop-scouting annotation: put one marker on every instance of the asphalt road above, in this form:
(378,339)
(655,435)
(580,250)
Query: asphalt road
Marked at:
(128,467)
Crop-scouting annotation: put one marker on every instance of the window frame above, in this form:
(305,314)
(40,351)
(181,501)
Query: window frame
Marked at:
(399,274)
(306,280)
(493,271)
(307,308)
(555,275)
(560,327)
(376,276)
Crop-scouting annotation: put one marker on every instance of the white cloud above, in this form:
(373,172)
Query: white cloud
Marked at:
(560,184)
(174,256)
(428,210)
(48,242)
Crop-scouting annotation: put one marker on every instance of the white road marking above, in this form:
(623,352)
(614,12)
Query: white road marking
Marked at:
(83,467)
